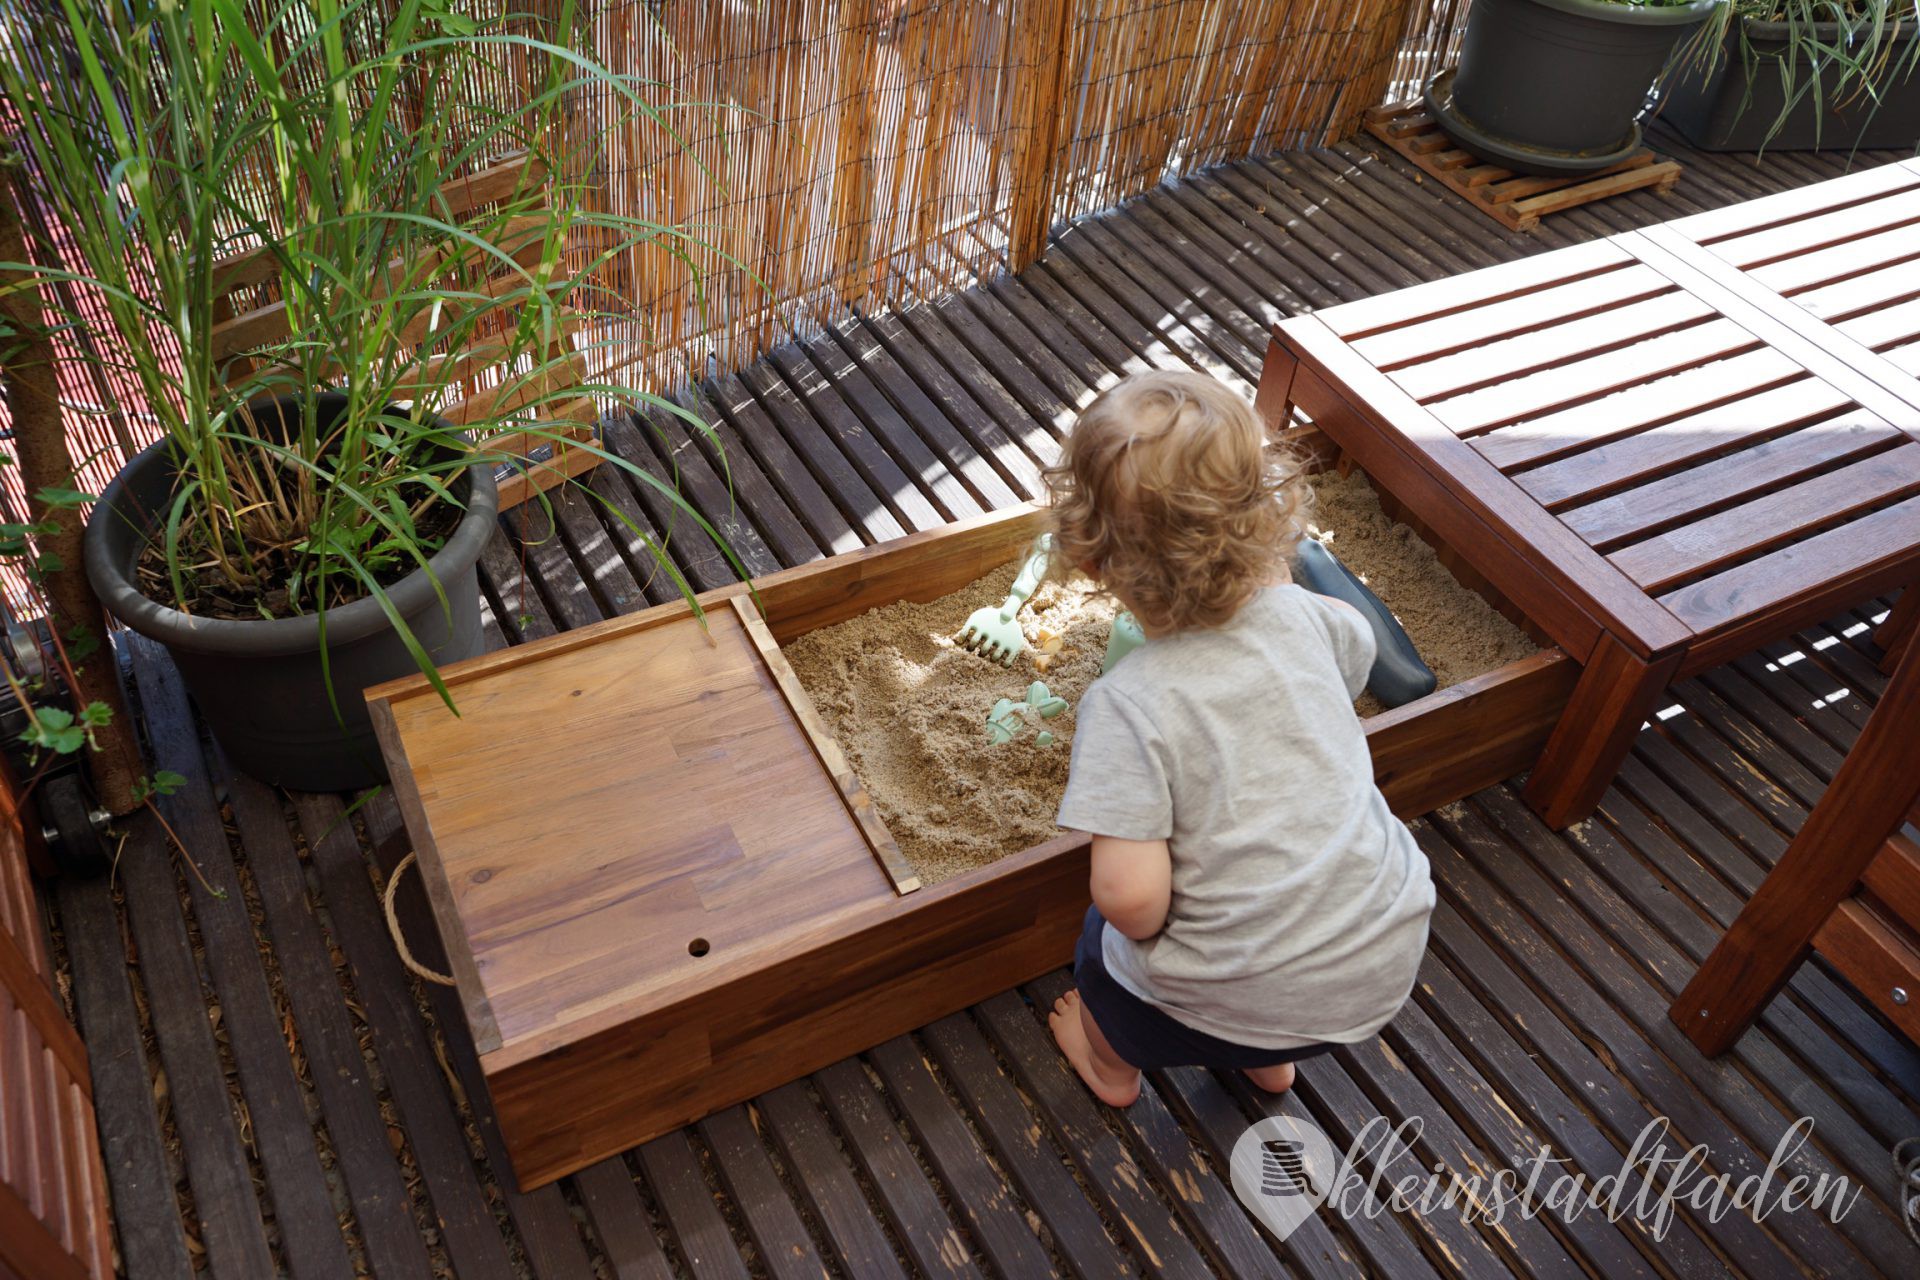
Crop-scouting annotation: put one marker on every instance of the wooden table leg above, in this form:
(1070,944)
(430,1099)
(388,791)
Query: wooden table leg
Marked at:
(1274,399)
(1871,794)
(1896,633)
(1616,691)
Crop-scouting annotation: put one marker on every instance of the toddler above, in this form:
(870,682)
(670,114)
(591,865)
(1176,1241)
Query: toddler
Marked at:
(1254,900)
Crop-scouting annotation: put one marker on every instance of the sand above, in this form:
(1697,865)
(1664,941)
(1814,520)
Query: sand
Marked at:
(909,706)
(1459,635)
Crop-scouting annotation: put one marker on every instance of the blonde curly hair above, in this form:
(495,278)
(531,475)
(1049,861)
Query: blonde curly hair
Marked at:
(1170,491)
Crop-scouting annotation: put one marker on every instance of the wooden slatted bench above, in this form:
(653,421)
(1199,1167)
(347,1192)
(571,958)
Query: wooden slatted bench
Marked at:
(1666,447)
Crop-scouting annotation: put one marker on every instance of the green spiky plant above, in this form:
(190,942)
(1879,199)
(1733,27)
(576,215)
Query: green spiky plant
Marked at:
(167,136)
(1839,54)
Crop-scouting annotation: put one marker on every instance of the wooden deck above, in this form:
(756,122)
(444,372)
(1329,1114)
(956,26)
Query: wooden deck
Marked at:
(276,1094)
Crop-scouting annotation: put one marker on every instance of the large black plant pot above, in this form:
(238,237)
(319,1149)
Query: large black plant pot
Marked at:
(1557,86)
(1736,107)
(260,684)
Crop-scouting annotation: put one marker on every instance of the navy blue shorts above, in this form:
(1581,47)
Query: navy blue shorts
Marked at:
(1150,1038)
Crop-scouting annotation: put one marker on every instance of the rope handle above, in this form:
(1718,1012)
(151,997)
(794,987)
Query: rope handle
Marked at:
(414,967)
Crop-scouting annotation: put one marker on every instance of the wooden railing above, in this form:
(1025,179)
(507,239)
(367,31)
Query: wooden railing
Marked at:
(53,1191)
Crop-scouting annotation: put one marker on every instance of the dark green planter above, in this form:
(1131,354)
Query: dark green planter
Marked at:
(1716,113)
(259,684)
(1557,86)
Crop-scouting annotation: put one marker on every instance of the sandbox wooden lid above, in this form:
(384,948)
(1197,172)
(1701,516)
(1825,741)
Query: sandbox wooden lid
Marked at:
(625,812)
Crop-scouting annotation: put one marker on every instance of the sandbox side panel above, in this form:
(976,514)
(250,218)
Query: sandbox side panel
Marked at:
(924,956)
(920,567)
(1468,737)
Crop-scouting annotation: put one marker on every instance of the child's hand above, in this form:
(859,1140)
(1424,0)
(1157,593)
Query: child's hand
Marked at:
(1132,884)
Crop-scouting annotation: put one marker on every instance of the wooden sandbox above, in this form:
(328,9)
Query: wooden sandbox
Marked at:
(662,891)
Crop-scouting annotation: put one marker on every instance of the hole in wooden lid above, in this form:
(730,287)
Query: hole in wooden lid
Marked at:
(698,947)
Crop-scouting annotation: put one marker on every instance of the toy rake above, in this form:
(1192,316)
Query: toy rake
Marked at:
(993,631)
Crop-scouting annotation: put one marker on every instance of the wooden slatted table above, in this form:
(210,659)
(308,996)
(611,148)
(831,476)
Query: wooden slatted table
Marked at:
(1667,447)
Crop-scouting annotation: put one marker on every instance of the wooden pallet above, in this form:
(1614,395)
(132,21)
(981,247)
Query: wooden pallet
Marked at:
(1516,201)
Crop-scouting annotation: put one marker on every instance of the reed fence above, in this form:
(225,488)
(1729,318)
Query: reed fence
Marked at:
(845,154)
(1429,42)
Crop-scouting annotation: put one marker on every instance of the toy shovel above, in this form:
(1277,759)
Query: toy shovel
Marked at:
(994,632)
(1398,675)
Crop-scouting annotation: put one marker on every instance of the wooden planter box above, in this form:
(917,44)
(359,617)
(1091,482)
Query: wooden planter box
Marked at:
(659,900)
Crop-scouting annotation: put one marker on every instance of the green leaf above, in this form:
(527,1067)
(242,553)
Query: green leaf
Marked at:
(53,729)
(82,642)
(59,497)
(96,715)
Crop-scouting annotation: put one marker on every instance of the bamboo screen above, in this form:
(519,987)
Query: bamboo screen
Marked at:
(1430,42)
(860,153)
(895,148)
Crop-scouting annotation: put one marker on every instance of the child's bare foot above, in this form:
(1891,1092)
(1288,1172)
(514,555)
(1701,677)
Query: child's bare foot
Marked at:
(1273,1079)
(1112,1081)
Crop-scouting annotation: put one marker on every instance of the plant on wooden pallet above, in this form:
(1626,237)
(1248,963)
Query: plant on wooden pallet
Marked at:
(308,526)
(1559,86)
(1800,74)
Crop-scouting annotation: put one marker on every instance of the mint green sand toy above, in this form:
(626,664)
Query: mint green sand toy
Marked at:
(994,632)
(1042,699)
(1004,722)
(1125,637)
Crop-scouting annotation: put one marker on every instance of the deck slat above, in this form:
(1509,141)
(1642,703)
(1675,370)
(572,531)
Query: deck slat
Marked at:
(416,1082)
(1611,1084)
(705,1246)
(342,1080)
(146,1216)
(807,1144)
(801,492)
(612,1202)
(1104,1162)
(855,474)
(296,1184)
(1023,1149)
(786,1250)
(976,450)
(229,1214)
(992,1210)
(1314,1249)
(936,1245)
(1206,1205)
(1744,1126)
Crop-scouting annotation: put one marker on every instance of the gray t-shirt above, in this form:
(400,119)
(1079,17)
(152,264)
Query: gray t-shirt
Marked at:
(1300,903)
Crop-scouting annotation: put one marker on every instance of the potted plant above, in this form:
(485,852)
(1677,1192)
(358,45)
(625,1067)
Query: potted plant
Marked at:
(307,525)
(1802,74)
(1558,86)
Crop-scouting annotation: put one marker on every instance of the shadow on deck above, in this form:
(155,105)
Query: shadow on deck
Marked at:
(277,1094)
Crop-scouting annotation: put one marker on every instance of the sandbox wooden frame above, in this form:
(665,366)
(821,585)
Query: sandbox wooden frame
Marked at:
(726,1027)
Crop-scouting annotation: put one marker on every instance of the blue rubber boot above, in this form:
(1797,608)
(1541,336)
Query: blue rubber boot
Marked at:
(1398,675)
